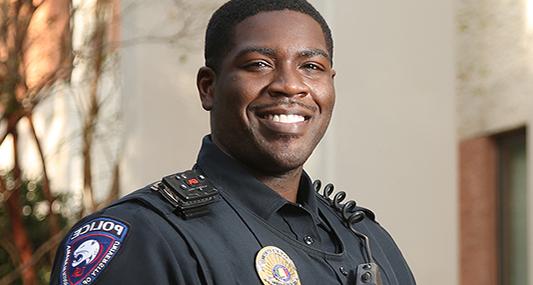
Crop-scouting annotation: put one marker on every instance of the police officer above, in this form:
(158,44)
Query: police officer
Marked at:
(246,213)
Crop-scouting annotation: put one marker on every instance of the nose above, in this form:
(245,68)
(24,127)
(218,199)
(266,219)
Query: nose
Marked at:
(287,81)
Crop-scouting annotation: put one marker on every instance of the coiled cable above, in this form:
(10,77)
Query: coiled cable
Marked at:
(348,211)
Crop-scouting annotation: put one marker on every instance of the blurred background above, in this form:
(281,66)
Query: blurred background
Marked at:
(434,100)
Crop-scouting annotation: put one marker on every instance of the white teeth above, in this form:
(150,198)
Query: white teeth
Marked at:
(288,119)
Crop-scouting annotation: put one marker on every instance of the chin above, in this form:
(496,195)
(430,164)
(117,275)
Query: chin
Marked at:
(286,154)
(283,161)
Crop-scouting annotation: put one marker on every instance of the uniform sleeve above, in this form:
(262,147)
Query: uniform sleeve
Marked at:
(135,246)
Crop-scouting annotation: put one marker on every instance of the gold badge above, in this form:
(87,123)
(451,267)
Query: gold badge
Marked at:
(275,267)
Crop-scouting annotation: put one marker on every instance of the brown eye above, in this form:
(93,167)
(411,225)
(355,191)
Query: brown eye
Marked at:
(257,65)
(313,67)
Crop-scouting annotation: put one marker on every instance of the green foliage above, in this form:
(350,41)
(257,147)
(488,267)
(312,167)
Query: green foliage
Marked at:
(35,216)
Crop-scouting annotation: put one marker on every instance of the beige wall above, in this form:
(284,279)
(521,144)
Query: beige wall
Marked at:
(394,134)
(164,120)
(494,66)
(392,142)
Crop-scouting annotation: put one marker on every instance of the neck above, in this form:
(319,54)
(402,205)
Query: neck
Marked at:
(286,184)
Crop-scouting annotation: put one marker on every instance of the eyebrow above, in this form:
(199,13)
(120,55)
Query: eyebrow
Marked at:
(261,50)
(311,52)
(314,52)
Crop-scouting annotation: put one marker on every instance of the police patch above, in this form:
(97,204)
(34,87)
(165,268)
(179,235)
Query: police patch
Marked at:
(89,249)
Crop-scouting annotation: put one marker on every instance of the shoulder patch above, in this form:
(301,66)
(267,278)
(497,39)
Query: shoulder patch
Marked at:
(89,248)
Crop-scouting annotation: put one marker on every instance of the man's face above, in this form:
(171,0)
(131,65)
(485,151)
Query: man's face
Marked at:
(272,98)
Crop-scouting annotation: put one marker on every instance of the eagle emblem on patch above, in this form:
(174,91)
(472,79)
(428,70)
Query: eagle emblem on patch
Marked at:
(89,248)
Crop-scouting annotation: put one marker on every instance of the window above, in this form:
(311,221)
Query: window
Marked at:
(493,209)
(512,204)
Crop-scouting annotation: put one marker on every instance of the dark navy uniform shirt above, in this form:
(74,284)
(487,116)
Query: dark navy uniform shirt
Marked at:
(141,240)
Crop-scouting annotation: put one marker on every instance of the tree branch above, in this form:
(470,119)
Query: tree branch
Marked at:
(11,250)
(20,235)
(3,137)
(54,224)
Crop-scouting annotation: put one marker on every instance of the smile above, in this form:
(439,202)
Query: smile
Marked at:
(284,123)
(285,118)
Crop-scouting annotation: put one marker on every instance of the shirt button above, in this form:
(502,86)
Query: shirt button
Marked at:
(309,240)
(343,271)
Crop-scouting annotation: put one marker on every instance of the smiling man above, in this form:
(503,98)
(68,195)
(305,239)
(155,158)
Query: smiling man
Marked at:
(247,213)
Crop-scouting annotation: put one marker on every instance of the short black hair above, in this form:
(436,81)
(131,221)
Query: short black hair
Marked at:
(219,34)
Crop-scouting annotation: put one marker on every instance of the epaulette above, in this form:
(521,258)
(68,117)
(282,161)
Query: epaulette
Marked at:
(190,192)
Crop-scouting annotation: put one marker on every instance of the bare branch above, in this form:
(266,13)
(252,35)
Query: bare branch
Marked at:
(12,121)
(3,137)
(54,224)
(98,38)
(11,250)
(20,235)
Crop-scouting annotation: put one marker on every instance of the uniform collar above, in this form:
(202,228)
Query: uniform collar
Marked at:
(237,181)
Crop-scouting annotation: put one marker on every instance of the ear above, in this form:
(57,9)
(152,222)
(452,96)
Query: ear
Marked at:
(333,73)
(205,82)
